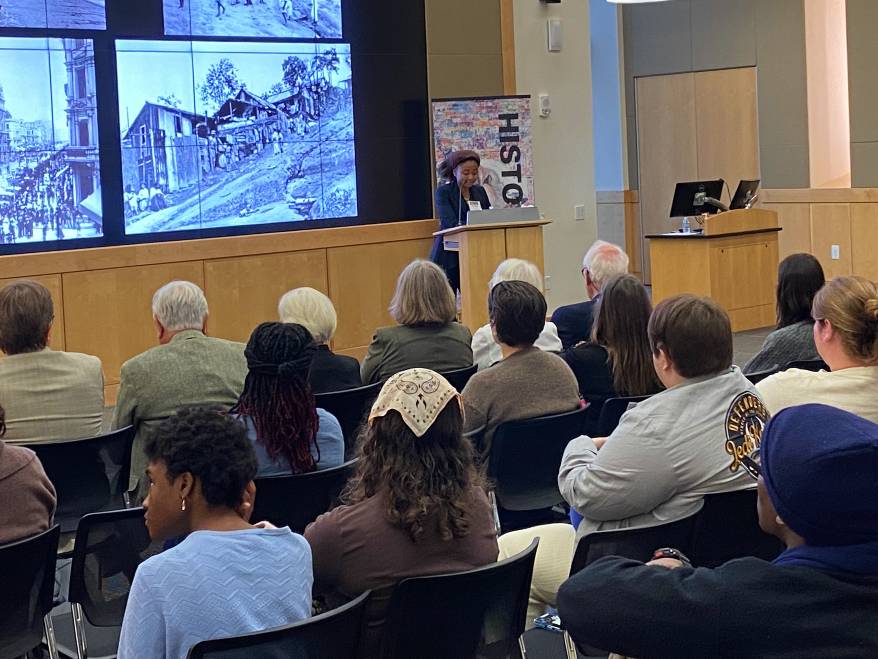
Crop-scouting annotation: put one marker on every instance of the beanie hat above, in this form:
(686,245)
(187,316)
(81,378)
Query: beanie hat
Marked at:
(820,468)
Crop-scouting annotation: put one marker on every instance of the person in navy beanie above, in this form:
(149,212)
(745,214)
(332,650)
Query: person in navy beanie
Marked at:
(818,493)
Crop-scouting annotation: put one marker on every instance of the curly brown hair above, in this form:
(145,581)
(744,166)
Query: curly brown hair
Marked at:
(418,476)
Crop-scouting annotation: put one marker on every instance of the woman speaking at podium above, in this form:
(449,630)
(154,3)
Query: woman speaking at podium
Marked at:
(458,192)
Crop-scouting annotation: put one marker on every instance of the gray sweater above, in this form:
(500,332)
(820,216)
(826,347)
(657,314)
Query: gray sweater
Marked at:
(665,455)
(525,385)
(787,344)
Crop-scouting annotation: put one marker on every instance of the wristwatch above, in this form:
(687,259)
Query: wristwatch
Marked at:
(670,552)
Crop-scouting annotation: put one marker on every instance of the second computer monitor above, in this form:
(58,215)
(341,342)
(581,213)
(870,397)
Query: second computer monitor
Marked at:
(689,198)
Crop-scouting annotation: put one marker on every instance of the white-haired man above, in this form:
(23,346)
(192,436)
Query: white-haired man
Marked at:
(601,262)
(186,368)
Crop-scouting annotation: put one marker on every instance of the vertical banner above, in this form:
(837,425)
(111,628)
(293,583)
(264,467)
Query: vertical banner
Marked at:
(498,129)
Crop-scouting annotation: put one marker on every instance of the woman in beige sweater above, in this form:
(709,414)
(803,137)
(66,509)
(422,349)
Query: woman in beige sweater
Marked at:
(845,314)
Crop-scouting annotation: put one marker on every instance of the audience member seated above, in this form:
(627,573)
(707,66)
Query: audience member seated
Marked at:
(427,335)
(602,261)
(680,444)
(313,310)
(551,564)
(289,434)
(616,361)
(485,348)
(846,335)
(819,495)
(49,395)
(799,277)
(416,505)
(527,382)
(227,577)
(27,494)
(186,368)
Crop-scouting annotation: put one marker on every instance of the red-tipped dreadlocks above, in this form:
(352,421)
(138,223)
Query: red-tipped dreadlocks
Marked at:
(277,396)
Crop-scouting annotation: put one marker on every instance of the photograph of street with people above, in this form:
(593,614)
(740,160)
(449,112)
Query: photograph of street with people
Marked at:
(296,19)
(72,14)
(49,162)
(218,134)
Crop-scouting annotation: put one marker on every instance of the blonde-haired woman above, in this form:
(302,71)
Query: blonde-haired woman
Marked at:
(427,335)
(485,349)
(312,310)
(845,314)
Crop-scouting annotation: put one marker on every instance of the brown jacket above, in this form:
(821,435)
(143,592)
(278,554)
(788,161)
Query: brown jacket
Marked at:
(26,492)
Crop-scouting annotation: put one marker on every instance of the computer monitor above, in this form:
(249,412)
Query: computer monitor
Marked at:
(689,198)
(745,195)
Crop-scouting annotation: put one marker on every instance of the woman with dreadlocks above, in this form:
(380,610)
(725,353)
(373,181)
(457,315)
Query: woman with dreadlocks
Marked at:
(289,433)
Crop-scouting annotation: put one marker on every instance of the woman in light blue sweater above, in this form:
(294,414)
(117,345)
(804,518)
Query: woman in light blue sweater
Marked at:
(289,433)
(227,577)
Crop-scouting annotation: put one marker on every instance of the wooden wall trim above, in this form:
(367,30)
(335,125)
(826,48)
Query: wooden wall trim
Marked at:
(507,41)
(101,258)
(616,197)
(819,196)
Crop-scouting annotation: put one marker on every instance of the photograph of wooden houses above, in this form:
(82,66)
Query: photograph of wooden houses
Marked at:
(221,134)
(290,19)
(49,161)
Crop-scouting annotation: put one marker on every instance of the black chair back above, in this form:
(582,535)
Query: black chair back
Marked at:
(728,527)
(27,582)
(611,412)
(525,456)
(89,474)
(637,544)
(350,407)
(759,376)
(331,635)
(478,613)
(298,500)
(461,376)
(809,365)
(109,547)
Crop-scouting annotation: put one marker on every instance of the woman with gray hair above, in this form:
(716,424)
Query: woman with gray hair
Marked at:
(427,335)
(486,351)
(314,311)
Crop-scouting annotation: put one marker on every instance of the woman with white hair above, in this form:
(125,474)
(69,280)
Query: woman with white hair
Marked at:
(485,349)
(314,311)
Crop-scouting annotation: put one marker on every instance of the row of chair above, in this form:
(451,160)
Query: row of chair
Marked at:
(476,613)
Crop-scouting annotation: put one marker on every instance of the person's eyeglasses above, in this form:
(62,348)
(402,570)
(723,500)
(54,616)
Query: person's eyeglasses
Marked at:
(753,468)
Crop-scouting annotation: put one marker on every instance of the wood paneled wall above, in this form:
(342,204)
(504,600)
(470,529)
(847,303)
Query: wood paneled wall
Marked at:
(692,126)
(103,296)
(813,220)
(618,220)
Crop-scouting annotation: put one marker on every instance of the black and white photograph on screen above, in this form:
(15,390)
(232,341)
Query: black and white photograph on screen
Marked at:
(68,14)
(250,134)
(292,19)
(49,162)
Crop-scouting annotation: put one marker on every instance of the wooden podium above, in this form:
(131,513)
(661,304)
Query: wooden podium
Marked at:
(734,261)
(481,248)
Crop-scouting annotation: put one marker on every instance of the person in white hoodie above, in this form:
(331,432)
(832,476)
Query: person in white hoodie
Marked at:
(678,445)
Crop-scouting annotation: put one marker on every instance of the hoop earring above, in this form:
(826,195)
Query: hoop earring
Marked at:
(183,506)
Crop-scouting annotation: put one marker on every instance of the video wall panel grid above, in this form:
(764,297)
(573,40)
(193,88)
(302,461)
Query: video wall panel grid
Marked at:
(178,119)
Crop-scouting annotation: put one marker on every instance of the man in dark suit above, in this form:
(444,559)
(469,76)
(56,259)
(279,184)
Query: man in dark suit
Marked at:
(602,261)
(457,190)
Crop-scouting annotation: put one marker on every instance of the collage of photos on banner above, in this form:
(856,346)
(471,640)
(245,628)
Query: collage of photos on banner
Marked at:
(291,19)
(49,159)
(219,134)
(59,14)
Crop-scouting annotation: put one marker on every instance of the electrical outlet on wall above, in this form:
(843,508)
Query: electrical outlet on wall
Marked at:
(548,285)
(836,252)
(579,212)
